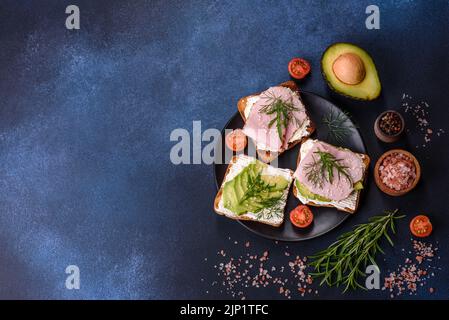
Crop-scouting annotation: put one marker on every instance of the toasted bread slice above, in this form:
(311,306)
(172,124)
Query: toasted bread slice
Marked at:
(265,155)
(236,165)
(355,196)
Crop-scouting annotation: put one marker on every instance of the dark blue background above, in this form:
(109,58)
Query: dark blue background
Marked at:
(85,120)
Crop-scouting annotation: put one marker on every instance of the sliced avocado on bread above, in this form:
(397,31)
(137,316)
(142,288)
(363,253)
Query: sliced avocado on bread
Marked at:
(349,70)
(253,190)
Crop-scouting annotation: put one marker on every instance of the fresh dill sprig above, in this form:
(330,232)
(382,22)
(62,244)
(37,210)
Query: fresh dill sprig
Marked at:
(270,212)
(345,260)
(336,124)
(322,169)
(282,111)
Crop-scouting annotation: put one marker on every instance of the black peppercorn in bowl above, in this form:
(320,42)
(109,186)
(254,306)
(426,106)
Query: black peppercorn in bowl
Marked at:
(389,126)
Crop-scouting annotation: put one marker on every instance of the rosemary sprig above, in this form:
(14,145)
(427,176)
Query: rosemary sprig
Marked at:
(344,261)
(255,186)
(322,169)
(336,124)
(281,110)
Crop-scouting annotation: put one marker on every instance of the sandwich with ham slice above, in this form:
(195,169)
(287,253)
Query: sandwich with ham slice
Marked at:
(276,120)
(330,176)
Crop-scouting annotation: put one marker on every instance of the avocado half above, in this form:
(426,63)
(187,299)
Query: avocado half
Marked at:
(350,71)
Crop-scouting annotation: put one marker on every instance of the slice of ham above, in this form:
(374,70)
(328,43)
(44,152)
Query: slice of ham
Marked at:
(340,188)
(294,125)
(257,124)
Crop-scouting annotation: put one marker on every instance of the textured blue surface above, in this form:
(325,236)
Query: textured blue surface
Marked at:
(85,119)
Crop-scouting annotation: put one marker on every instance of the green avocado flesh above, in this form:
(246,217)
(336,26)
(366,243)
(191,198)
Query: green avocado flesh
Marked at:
(306,193)
(358,186)
(368,89)
(241,195)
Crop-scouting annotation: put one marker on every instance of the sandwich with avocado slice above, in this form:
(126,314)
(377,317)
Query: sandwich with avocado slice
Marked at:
(253,190)
(329,176)
(349,70)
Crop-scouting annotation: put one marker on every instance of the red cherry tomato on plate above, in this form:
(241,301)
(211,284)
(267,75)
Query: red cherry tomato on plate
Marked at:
(301,216)
(298,68)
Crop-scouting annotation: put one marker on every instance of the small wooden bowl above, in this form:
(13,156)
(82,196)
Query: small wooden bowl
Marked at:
(386,189)
(388,137)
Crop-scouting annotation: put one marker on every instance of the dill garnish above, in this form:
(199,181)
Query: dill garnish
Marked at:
(322,169)
(269,213)
(337,128)
(345,260)
(282,111)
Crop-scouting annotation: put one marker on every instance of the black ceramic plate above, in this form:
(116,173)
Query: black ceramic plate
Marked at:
(325,219)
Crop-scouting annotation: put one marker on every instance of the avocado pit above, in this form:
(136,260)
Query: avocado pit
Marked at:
(349,68)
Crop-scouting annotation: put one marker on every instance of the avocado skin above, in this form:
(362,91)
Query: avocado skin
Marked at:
(328,78)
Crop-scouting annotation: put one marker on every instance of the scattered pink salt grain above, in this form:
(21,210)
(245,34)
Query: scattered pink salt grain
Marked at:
(236,273)
(409,277)
(420,114)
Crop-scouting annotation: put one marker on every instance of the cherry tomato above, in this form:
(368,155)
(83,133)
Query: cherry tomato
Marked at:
(236,140)
(420,226)
(301,216)
(298,68)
